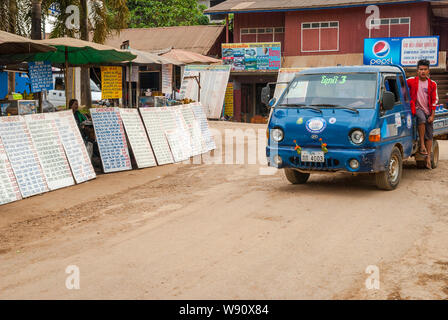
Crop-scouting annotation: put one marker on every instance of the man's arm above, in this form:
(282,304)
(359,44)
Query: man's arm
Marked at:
(435,101)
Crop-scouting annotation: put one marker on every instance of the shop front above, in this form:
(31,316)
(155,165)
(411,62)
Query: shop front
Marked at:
(253,66)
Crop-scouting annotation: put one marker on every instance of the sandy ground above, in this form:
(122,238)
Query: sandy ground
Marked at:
(226,232)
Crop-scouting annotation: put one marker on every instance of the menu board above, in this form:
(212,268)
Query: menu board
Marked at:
(22,155)
(111,139)
(170,124)
(213,81)
(176,144)
(205,130)
(41,76)
(50,151)
(184,131)
(156,135)
(197,141)
(137,137)
(9,189)
(111,83)
(74,146)
(167,78)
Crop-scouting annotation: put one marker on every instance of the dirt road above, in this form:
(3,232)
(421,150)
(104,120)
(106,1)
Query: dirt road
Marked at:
(226,232)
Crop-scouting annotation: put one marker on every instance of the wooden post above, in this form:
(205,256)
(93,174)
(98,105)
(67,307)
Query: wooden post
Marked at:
(227,28)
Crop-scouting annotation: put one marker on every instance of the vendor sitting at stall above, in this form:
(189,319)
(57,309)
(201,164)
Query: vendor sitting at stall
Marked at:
(79,117)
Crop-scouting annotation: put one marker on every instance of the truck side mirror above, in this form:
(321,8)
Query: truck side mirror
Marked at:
(388,100)
(265,95)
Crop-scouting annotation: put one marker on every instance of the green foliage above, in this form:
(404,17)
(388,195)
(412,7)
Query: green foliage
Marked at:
(166,13)
(105,17)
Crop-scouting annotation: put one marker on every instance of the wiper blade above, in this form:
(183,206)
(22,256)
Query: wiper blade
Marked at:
(301,106)
(337,106)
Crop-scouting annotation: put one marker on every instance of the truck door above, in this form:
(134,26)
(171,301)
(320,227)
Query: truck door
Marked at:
(396,124)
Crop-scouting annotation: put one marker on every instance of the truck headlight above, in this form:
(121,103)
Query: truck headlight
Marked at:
(357,136)
(277,134)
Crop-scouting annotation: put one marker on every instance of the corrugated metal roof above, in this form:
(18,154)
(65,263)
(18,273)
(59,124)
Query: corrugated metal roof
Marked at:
(234,6)
(198,39)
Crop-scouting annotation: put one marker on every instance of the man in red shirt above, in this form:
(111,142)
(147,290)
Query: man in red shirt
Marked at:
(424,99)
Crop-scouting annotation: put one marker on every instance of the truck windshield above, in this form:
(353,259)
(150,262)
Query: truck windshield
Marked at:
(352,90)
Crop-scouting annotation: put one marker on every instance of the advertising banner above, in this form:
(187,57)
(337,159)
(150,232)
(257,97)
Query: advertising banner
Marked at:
(252,56)
(401,51)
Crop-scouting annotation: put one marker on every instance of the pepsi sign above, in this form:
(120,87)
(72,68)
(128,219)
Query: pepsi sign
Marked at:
(382,51)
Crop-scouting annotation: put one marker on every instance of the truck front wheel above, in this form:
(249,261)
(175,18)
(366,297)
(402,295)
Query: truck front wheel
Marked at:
(389,179)
(296,177)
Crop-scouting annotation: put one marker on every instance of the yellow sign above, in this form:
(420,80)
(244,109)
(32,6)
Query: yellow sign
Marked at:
(111,86)
(228,100)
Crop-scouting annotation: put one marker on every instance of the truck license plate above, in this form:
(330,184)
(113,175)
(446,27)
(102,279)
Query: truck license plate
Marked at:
(312,156)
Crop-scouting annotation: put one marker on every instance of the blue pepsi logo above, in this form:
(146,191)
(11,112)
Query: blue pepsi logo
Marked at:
(381,49)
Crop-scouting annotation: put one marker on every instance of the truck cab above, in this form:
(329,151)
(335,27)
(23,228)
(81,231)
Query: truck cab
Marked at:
(353,119)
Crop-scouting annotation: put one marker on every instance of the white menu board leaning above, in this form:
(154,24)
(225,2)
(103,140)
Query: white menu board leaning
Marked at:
(137,138)
(9,189)
(50,151)
(74,146)
(111,139)
(22,155)
(154,128)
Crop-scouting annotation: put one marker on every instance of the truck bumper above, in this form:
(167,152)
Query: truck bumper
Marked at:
(335,160)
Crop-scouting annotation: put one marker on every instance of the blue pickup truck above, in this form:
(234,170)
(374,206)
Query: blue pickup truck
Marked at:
(353,119)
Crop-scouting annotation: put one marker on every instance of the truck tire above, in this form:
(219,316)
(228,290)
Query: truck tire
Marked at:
(390,179)
(435,154)
(296,177)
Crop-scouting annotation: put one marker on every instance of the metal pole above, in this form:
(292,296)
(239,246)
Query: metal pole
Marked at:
(65,77)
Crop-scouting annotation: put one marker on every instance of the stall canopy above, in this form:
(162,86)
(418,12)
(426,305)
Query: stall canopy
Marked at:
(75,52)
(148,58)
(189,57)
(12,44)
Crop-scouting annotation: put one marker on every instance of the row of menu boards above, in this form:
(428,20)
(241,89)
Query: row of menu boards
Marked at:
(44,152)
(40,153)
(156,136)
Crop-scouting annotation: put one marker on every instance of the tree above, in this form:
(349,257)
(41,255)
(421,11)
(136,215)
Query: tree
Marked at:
(166,13)
(100,17)
(104,18)
(15,16)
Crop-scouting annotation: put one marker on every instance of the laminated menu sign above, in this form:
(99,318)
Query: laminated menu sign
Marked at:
(74,146)
(175,134)
(9,189)
(111,86)
(22,155)
(111,139)
(41,76)
(197,142)
(167,78)
(50,151)
(205,130)
(184,131)
(156,134)
(137,137)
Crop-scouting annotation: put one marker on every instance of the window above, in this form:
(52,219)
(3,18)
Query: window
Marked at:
(390,27)
(404,90)
(267,34)
(320,36)
(390,84)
